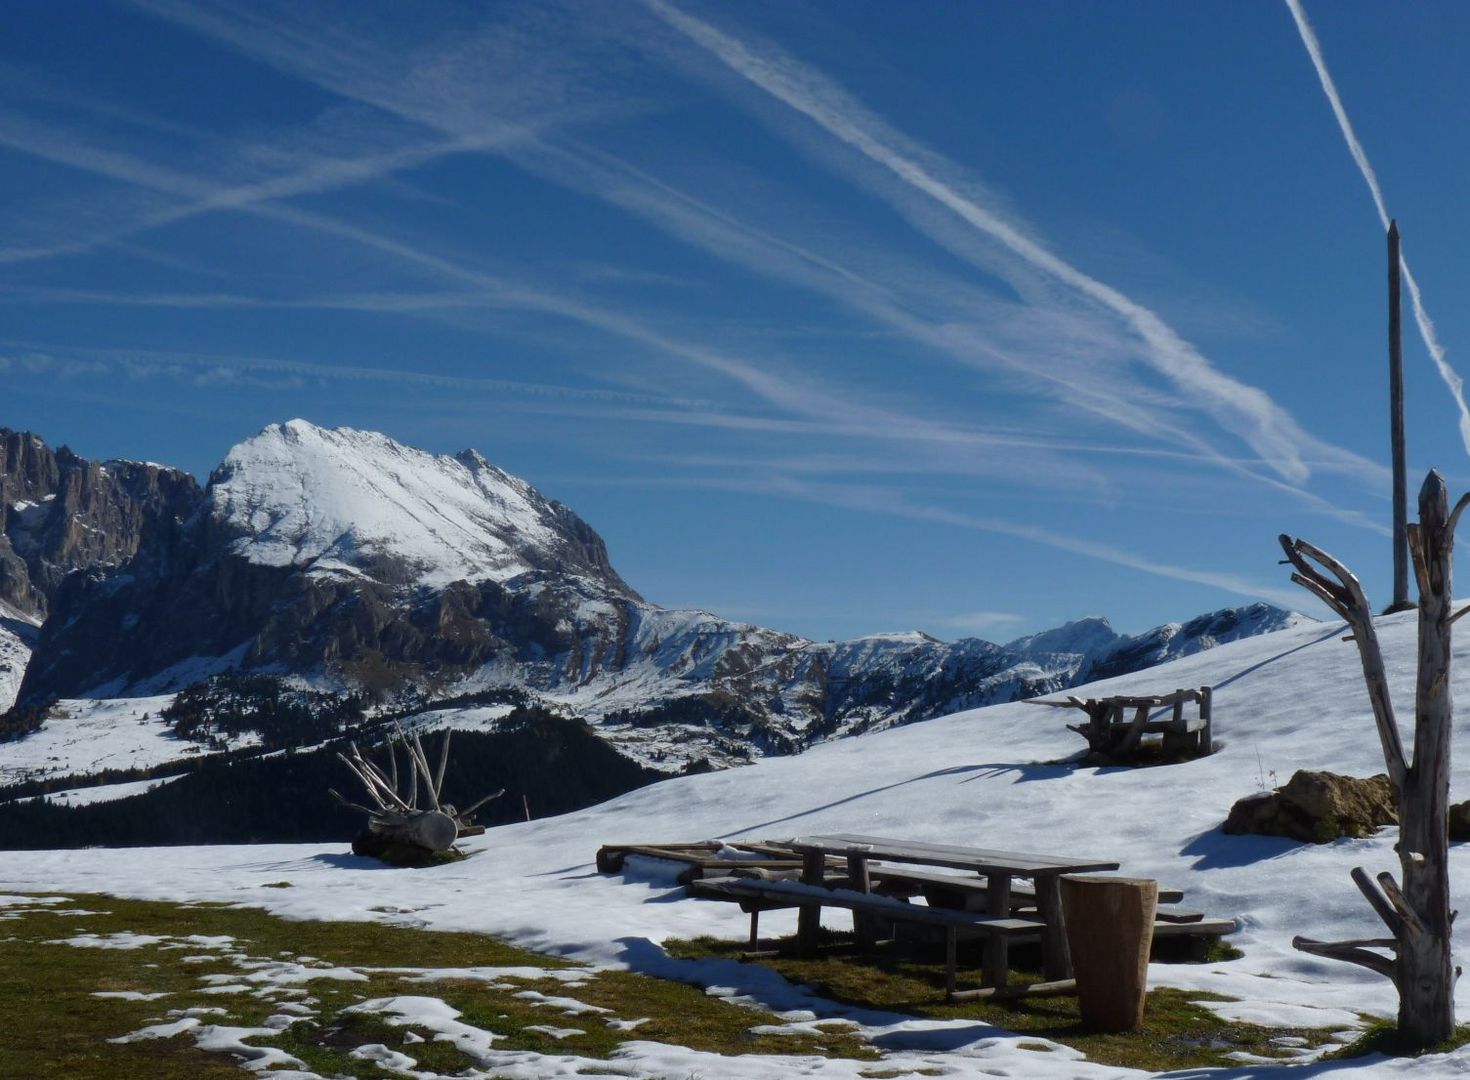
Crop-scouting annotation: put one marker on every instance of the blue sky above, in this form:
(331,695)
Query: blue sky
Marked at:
(970,318)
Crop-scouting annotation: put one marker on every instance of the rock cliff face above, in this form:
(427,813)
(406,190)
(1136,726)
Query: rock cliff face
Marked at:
(346,559)
(60,512)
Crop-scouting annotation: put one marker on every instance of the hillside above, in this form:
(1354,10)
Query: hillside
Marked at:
(1283,701)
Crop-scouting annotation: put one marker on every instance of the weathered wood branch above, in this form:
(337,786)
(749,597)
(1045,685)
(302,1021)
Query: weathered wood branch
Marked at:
(398,817)
(443,763)
(481,802)
(1350,603)
(1349,951)
(1409,923)
(1376,899)
(1453,522)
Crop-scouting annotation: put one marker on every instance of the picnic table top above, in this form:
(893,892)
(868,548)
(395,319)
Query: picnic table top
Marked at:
(1126,701)
(979,860)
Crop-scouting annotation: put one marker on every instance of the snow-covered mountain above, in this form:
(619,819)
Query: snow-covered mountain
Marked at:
(346,559)
(356,502)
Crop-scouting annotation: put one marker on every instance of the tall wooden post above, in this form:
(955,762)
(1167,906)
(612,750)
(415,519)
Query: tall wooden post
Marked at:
(1401,601)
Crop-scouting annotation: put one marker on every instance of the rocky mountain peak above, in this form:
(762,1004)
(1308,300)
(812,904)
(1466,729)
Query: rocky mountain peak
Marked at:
(1082,637)
(343,501)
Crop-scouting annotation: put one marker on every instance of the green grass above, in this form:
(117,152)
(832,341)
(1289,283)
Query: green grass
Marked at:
(1382,1037)
(1177,1032)
(66,1029)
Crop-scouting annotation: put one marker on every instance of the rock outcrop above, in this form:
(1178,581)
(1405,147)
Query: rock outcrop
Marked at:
(1317,807)
(60,513)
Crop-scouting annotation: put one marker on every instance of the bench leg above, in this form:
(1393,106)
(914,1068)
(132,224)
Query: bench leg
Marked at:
(997,962)
(809,921)
(862,922)
(1056,953)
(755,928)
(951,951)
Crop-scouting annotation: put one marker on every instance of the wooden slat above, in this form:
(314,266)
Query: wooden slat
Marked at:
(981,860)
(1021,895)
(1202,928)
(797,893)
(1051,988)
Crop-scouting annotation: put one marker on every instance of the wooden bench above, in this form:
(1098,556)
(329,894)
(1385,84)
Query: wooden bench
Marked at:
(701,858)
(895,883)
(756,896)
(970,890)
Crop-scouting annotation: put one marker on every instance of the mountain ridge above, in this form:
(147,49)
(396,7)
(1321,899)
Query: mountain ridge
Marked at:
(347,560)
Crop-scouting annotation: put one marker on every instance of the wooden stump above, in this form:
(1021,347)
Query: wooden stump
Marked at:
(1109,930)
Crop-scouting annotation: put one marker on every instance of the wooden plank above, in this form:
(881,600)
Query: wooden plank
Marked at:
(1050,988)
(1202,928)
(798,893)
(1021,895)
(980,860)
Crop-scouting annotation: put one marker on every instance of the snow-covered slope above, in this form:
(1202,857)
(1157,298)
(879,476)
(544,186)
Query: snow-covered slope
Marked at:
(86,737)
(1283,701)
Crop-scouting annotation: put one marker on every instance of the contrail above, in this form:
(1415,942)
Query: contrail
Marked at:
(1426,325)
(1244,410)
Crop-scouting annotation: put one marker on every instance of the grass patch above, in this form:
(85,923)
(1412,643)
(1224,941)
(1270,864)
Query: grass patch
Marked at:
(1178,1032)
(1382,1037)
(67,1028)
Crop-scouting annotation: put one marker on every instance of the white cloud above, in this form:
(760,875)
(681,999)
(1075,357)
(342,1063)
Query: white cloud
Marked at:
(979,622)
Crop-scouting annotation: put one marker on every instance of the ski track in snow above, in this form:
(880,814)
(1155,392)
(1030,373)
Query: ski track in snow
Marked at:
(1283,701)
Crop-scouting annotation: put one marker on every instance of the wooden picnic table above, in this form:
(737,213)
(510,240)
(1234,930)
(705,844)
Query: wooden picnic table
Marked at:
(999,868)
(1111,736)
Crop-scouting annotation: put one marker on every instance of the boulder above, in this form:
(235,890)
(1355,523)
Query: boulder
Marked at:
(1318,807)
(1460,821)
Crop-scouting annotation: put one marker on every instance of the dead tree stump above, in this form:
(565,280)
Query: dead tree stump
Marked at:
(396,818)
(1110,923)
(1417,913)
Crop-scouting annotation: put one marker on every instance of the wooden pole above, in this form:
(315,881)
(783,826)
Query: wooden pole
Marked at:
(1401,601)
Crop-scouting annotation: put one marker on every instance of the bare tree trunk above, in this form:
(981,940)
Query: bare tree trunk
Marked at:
(1425,977)
(1418,914)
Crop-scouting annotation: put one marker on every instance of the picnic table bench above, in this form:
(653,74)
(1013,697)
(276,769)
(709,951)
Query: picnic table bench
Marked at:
(998,868)
(756,895)
(1112,736)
